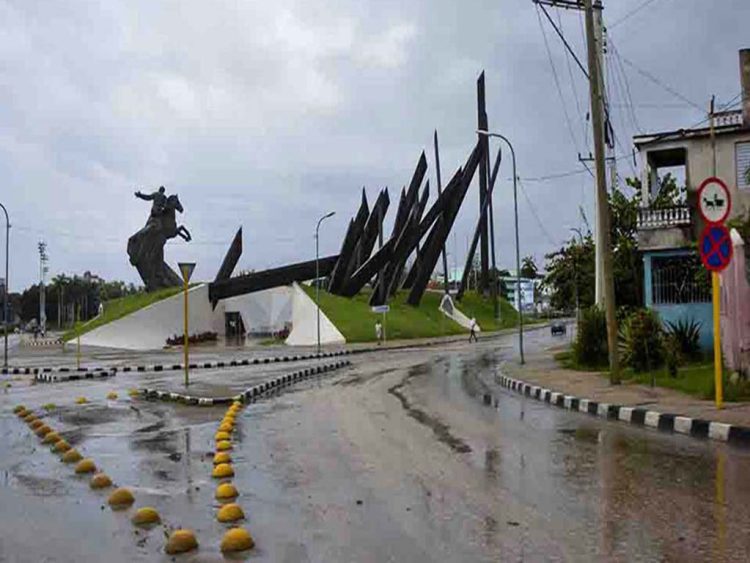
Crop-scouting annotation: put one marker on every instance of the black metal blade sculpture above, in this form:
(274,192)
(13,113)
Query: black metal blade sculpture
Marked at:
(441,229)
(267,279)
(353,234)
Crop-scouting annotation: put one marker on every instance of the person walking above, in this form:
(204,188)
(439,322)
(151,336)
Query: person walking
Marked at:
(473,330)
(379,331)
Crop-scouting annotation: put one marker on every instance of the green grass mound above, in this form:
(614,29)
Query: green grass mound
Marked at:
(483,310)
(118,308)
(356,321)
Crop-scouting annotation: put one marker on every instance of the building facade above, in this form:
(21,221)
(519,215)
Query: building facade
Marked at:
(676,285)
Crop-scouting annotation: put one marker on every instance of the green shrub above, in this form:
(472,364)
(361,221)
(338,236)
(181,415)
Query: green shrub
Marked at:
(687,335)
(673,356)
(590,347)
(641,341)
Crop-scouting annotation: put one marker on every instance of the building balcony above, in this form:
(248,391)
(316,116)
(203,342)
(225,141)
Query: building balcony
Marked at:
(664,228)
(663,217)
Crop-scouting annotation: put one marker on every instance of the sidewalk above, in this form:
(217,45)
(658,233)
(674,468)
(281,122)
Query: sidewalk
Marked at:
(541,369)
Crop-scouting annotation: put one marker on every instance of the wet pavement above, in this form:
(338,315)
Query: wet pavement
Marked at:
(409,455)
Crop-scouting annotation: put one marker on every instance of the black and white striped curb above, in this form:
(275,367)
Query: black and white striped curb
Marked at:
(696,427)
(41,343)
(249,395)
(43,374)
(75,376)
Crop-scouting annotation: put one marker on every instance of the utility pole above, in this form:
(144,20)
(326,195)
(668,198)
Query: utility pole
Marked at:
(43,258)
(603,234)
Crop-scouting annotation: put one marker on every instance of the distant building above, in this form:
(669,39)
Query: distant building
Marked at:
(675,282)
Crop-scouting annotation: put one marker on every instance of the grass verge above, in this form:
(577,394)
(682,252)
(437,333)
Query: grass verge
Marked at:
(356,321)
(118,308)
(694,379)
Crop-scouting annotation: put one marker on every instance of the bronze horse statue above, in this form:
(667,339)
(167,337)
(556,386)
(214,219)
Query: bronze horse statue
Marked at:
(146,247)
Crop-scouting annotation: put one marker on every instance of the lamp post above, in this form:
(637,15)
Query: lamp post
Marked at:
(317,272)
(518,250)
(5,288)
(575,269)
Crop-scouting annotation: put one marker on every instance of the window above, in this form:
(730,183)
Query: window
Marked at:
(742,158)
(679,279)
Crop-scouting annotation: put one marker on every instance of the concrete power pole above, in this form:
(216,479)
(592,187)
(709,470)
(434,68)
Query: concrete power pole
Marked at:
(599,247)
(42,290)
(603,219)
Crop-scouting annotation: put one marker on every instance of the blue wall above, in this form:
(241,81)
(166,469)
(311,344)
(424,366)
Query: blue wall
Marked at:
(699,312)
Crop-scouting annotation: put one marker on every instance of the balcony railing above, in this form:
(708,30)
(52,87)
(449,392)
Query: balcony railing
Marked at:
(663,217)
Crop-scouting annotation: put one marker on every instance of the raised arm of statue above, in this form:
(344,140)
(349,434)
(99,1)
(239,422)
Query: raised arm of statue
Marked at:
(147,197)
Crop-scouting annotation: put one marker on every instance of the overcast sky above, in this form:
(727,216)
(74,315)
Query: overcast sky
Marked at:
(269,114)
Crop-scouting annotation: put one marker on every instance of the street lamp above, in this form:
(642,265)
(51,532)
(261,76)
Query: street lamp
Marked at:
(5,288)
(575,270)
(317,271)
(518,251)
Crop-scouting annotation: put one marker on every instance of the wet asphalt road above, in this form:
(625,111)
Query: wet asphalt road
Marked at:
(397,458)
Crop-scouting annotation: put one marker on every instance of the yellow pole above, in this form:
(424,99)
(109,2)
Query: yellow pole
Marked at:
(186,340)
(717,339)
(78,340)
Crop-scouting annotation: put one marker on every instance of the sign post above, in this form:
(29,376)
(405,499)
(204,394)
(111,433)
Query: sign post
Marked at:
(714,204)
(382,309)
(186,269)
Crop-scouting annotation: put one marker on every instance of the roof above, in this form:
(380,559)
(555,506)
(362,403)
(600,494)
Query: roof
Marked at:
(725,122)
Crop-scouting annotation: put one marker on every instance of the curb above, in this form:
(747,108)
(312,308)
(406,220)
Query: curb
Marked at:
(249,395)
(666,422)
(43,374)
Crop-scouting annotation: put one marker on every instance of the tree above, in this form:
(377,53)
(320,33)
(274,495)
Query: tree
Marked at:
(572,266)
(528,268)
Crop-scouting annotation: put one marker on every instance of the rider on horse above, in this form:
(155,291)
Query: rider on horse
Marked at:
(159,198)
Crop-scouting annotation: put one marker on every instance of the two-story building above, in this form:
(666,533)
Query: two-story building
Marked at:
(675,283)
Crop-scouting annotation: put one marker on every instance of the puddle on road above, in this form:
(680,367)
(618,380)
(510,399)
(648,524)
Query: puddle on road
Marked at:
(42,486)
(441,430)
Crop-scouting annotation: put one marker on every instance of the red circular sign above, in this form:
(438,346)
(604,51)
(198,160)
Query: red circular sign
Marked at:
(714,200)
(715,246)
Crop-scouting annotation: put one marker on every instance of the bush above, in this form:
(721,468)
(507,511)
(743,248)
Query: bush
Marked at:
(179,339)
(642,341)
(590,347)
(673,356)
(687,334)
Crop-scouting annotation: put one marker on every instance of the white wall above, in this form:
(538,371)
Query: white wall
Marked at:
(149,328)
(304,322)
(264,311)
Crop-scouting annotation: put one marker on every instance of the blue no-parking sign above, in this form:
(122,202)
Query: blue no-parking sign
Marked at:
(715,247)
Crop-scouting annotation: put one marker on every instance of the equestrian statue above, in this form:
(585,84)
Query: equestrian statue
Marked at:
(146,247)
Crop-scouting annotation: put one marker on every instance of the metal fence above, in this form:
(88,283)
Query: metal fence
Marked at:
(679,279)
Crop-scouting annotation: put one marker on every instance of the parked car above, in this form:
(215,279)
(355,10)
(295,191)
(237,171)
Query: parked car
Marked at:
(558,328)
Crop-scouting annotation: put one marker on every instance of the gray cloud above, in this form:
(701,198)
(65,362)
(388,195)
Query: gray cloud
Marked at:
(267,114)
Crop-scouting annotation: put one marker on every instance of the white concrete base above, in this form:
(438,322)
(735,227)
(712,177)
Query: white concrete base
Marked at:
(149,328)
(304,322)
(449,309)
(263,311)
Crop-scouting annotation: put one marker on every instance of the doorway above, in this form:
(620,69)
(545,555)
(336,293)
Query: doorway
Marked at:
(234,328)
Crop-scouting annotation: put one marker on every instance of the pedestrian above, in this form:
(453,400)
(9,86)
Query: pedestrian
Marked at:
(378,331)
(473,330)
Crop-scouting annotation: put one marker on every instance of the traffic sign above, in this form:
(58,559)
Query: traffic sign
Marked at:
(715,247)
(714,200)
(186,269)
(381,308)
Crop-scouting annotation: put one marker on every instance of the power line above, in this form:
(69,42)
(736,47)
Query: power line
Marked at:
(557,82)
(584,128)
(658,82)
(562,38)
(631,13)
(536,217)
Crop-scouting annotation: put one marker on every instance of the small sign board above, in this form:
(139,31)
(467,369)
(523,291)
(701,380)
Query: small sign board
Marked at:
(714,200)
(715,247)
(381,308)
(186,269)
